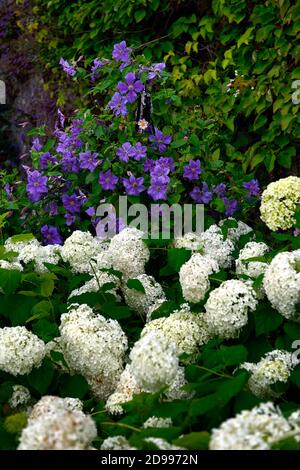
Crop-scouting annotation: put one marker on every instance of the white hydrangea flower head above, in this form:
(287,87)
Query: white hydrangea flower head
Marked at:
(49,404)
(18,247)
(93,285)
(80,248)
(254,429)
(126,388)
(275,366)
(154,361)
(234,234)
(226,310)
(279,201)
(162,444)
(194,277)
(59,429)
(20,350)
(282,283)
(116,443)
(186,329)
(46,254)
(175,390)
(252,269)
(14,265)
(216,248)
(103,260)
(129,252)
(20,396)
(94,347)
(156,422)
(189,241)
(141,302)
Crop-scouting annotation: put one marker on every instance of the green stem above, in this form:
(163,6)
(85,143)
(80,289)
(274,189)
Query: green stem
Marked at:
(121,425)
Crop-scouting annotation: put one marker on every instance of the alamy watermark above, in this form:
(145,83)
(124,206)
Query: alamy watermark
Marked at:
(159,221)
(2,92)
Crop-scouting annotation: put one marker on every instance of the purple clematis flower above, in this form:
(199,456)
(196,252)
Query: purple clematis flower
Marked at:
(220,189)
(131,87)
(125,152)
(45,159)
(71,203)
(36,186)
(148,165)
(160,141)
(201,196)
(139,151)
(108,180)
(118,104)
(158,189)
(230,206)
(133,186)
(192,170)
(51,235)
(70,164)
(69,69)
(36,145)
(167,162)
(52,208)
(8,191)
(70,219)
(90,211)
(88,160)
(156,70)
(121,52)
(160,172)
(252,187)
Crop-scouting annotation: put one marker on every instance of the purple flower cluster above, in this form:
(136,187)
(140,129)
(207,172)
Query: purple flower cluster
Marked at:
(160,141)
(72,203)
(201,196)
(192,170)
(220,189)
(131,87)
(36,185)
(69,69)
(88,160)
(36,145)
(252,188)
(160,178)
(133,186)
(118,105)
(126,151)
(51,235)
(231,206)
(45,159)
(108,180)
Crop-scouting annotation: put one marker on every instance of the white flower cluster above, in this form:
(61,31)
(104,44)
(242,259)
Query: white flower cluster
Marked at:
(20,350)
(142,302)
(80,248)
(162,444)
(20,396)
(234,233)
(56,424)
(255,429)
(282,283)
(116,443)
(129,252)
(94,347)
(155,422)
(97,282)
(279,202)
(210,243)
(32,250)
(15,265)
(187,330)
(252,269)
(194,277)
(275,366)
(154,361)
(226,310)
(126,388)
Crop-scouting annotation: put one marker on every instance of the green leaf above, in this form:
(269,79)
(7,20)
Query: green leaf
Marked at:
(74,386)
(115,311)
(202,405)
(177,257)
(25,237)
(45,330)
(194,441)
(41,378)
(136,284)
(139,15)
(6,389)
(266,319)
(47,287)
(164,309)
(40,310)
(9,280)
(231,388)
